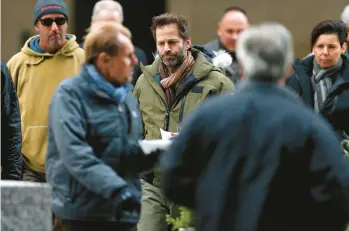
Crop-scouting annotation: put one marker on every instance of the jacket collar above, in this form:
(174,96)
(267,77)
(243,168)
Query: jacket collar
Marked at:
(304,68)
(202,68)
(255,85)
(93,88)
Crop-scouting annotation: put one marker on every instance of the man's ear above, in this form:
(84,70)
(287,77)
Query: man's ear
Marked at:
(344,47)
(104,58)
(36,27)
(218,32)
(188,43)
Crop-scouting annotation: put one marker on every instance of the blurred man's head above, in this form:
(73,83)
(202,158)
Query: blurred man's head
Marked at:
(171,34)
(108,46)
(51,23)
(107,10)
(232,23)
(265,52)
(345,19)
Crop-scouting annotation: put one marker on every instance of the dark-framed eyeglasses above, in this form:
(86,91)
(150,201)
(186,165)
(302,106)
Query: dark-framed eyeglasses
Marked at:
(48,21)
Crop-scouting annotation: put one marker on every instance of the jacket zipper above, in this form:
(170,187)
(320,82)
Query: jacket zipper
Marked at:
(177,98)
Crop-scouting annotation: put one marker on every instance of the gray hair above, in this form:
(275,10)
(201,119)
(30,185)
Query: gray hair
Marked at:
(107,5)
(345,15)
(265,51)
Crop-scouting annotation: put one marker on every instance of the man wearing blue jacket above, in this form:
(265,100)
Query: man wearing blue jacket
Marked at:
(269,163)
(93,159)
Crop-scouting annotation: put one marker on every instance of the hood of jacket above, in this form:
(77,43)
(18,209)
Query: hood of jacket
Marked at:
(67,50)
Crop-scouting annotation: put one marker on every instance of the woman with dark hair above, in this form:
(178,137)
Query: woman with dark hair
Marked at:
(322,79)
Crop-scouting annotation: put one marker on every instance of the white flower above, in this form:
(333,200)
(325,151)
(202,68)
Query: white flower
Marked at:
(222,59)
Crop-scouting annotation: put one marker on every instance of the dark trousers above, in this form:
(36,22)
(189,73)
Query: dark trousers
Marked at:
(70,225)
(33,176)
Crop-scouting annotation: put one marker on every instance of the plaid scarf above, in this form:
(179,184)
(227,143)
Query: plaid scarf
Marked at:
(169,81)
(322,82)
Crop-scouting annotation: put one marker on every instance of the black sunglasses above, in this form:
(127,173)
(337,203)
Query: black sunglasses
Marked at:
(48,21)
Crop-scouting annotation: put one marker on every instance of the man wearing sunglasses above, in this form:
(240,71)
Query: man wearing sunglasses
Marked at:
(43,62)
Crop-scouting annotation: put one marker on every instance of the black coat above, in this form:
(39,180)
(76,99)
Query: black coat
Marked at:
(142,58)
(258,160)
(11,138)
(336,105)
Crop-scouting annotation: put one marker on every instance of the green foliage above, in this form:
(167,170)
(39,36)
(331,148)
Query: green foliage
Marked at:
(186,219)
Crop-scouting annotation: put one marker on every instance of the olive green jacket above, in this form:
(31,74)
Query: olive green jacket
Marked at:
(205,80)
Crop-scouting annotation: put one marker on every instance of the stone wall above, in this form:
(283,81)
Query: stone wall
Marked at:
(25,206)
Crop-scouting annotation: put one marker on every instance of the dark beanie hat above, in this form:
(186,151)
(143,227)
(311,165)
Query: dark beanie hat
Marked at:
(44,7)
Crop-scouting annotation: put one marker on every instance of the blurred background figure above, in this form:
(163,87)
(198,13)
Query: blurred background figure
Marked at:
(345,19)
(11,136)
(43,62)
(138,19)
(268,163)
(110,10)
(322,79)
(94,159)
(232,23)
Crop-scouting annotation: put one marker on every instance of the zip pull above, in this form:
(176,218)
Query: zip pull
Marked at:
(167,119)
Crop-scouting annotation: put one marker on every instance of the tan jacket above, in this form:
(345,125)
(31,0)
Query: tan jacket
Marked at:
(36,77)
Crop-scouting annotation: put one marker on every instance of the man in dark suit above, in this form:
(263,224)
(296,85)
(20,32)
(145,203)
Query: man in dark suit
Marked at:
(232,23)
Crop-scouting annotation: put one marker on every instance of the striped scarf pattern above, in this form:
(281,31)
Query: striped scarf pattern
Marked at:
(322,82)
(169,81)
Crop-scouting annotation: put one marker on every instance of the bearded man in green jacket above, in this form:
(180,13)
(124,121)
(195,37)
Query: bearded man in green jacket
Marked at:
(180,78)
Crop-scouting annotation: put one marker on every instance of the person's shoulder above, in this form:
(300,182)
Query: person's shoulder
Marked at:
(141,56)
(211,45)
(5,73)
(16,63)
(139,50)
(80,53)
(71,84)
(140,84)
(18,59)
(219,79)
(3,67)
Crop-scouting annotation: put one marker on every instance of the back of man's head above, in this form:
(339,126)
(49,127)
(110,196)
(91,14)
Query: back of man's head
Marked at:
(104,37)
(265,52)
(345,14)
(107,10)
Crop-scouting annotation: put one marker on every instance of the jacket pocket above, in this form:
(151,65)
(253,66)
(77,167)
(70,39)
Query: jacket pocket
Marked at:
(34,145)
(73,190)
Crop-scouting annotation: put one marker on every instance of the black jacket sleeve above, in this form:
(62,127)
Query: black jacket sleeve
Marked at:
(329,170)
(11,139)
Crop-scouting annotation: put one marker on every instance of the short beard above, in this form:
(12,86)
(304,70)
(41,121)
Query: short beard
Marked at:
(179,59)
